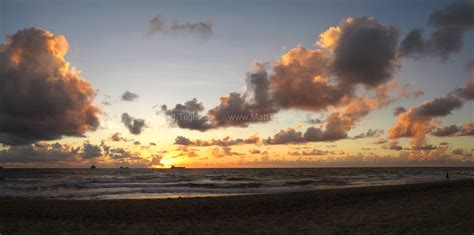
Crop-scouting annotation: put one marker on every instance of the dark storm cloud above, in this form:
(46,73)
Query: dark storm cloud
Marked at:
(135,126)
(450,24)
(129,96)
(366,52)
(40,97)
(439,107)
(398,110)
(312,134)
(188,115)
(38,153)
(454,130)
(91,151)
(200,29)
(368,134)
(181,140)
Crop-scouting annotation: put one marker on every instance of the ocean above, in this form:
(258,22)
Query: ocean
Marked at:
(166,183)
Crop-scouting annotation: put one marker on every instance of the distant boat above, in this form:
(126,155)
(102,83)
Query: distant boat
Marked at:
(177,167)
(93,167)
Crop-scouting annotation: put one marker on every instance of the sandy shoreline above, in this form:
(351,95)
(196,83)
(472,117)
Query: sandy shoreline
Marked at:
(440,207)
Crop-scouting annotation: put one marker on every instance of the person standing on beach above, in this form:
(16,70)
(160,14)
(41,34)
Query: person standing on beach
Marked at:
(447,176)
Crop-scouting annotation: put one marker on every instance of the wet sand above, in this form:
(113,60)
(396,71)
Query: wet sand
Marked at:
(440,207)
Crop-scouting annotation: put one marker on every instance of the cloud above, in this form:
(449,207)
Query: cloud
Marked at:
(368,134)
(337,124)
(60,155)
(188,115)
(450,24)
(380,141)
(200,29)
(407,92)
(366,52)
(135,126)
(91,151)
(300,80)
(453,130)
(117,137)
(312,152)
(254,105)
(439,107)
(424,147)
(227,141)
(181,140)
(393,145)
(398,110)
(287,136)
(119,153)
(255,151)
(186,151)
(410,124)
(41,98)
(129,96)
(467,92)
(419,121)
(222,152)
(38,153)
(313,121)
(434,157)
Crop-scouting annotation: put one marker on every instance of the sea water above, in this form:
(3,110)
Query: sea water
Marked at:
(173,183)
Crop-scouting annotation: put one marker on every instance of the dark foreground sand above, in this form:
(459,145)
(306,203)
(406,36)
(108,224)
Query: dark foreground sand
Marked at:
(440,208)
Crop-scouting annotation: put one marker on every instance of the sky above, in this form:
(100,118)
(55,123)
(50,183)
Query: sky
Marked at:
(236,83)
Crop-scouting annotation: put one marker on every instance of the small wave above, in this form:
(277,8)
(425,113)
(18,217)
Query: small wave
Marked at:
(326,182)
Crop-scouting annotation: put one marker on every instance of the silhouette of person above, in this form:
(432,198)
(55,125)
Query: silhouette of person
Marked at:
(447,176)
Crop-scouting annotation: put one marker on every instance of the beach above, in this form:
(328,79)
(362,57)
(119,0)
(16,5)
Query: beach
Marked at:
(438,207)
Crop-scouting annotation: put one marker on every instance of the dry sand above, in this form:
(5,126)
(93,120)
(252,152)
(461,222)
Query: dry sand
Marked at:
(440,208)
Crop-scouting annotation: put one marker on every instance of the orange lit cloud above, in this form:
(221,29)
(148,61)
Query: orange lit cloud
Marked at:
(227,141)
(42,98)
